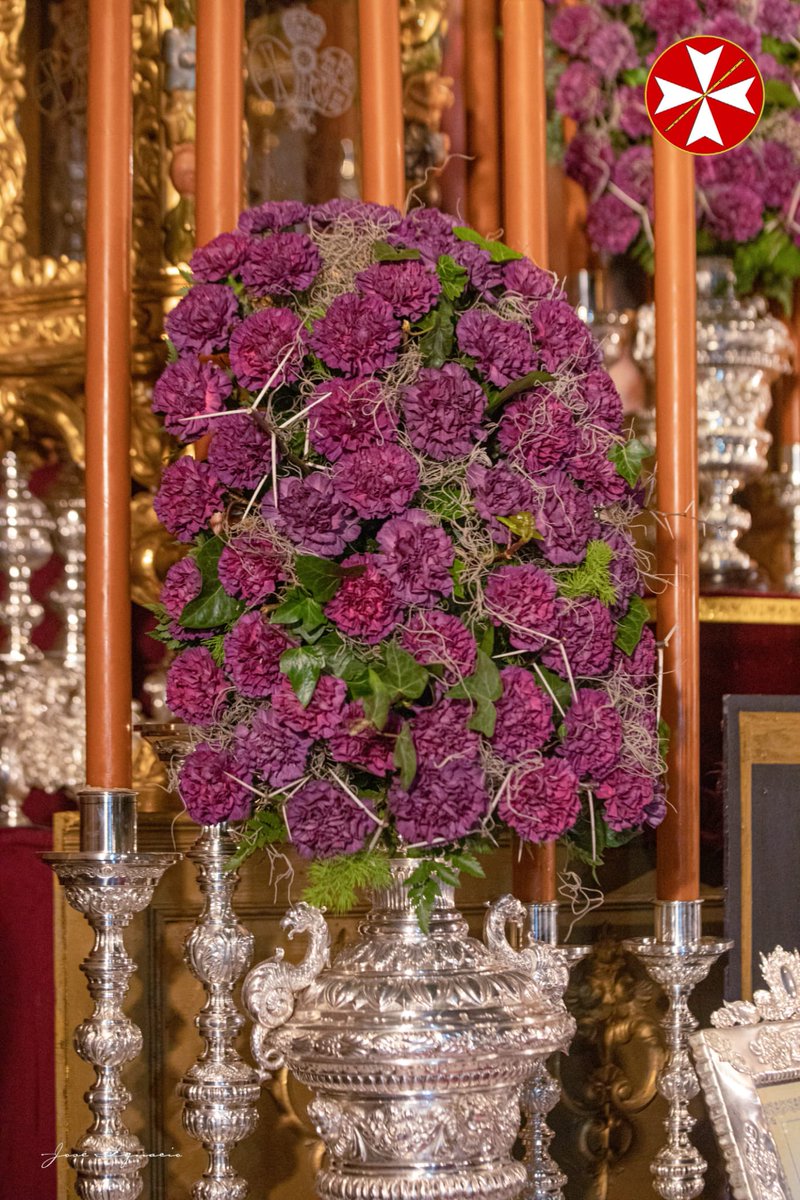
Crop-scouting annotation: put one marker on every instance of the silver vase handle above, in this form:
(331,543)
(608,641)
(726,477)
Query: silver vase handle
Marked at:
(270,989)
(545,965)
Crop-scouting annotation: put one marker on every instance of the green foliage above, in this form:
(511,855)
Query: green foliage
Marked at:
(213,607)
(172,350)
(456,571)
(769,263)
(559,688)
(441,868)
(628,457)
(264,828)
(579,839)
(303,666)
(163,631)
(334,883)
(383,252)
(446,501)
(523,384)
(452,276)
(523,526)
(636,77)
(664,735)
(499,252)
(592,576)
(298,608)
(482,687)
(397,676)
(322,577)
(629,628)
(437,334)
(779,94)
(405,756)
(378,700)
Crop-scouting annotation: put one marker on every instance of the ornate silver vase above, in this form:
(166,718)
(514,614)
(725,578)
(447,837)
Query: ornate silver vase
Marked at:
(416,1045)
(741,350)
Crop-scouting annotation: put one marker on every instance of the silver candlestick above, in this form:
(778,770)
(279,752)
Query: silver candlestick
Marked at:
(108,881)
(786,490)
(678,958)
(220,1091)
(541,1091)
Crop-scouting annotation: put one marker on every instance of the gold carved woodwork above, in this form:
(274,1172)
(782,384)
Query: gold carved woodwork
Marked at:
(427,94)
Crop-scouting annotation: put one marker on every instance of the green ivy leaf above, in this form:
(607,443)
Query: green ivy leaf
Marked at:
(629,628)
(213,606)
(523,384)
(779,94)
(484,717)
(298,607)
(437,331)
(383,252)
(405,756)
(558,687)
(452,276)
(628,457)
(446,501)
(322,577)
(403,675)
(635,77)
(499,252)
(664,737)
(456,571)
(523,526)
(378,701)
(303,666)
(486,642)
(483,684)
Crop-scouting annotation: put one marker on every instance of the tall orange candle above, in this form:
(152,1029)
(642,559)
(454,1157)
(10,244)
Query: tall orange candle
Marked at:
(678,875)
(525,128)
(525,193)
(220,115)
(383,168)
(108,367)
(482,99)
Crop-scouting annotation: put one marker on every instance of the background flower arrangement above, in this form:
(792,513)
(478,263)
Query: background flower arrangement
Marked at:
(748,199)
(411,612)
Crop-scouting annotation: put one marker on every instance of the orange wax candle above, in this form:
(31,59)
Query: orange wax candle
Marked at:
(525,128)
(220,115)
(108,368)
(482,98)
(383,169)
(525,170)
(678,875)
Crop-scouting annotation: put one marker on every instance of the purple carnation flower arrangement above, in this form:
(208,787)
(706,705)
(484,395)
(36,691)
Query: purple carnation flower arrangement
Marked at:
(410,611)
(747,199)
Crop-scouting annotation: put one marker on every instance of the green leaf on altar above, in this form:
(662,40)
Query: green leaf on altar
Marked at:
(405,755)
(335,883)
(402,674)
(264,828)
(299,608)
(383,252)
(213,607)
(635,76)
(779,94)
(452,276)
(322,577)
(522,525)
(437,331)
(172,350)
(484,718)
(303,666)
(629,628)
(591,577)
(523,384)
(483,684)
(628,457)
(377,702)
(499,252)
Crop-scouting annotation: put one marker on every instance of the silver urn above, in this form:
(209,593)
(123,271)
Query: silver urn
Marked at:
(741,350)
(415,1045)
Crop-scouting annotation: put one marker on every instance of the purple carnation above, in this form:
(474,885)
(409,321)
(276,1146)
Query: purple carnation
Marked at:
(629,800)
(613,49)
(484,275)
(779,19)
(196,687)
(565,518)
(220,257)
(360,744)
(312,513)
(640,666)
(441,735)
(573,27)
(272,216)
(499,492)
(524,599)
(352,415)
(586,631)
(541,802)
(189,495)
(366,605)
(260,345)
(633,118)
(502,349)
(592,734)
(633,173)
(378,481)
(324,821)
(443,411)
(579,92)
(601,401)
(209,786)
(186,392)
(428,230)
(562,339)
(539,429)
(433,636)
(611,225)
(524,278)
(321,717)
(588,160)
(672,19)
(281,265)
(251,567)
(201,322)
(440,805)
(270,749)
(524,716)
(358,212)
(734,212)
(182,584)
(357,335)
(625,576)
(591,466)
(240,451)
(416,555)
(411,288)
(729,25)
(252,654)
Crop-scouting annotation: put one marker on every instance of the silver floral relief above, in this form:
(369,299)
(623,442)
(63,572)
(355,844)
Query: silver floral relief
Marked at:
(760,1149)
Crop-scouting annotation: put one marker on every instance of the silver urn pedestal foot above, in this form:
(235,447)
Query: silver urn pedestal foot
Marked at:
(220,1091)
(678,958)
(109,886)
(541,1091)
(786,493)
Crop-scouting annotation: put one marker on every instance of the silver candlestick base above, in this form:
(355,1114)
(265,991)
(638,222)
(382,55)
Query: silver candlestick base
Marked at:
(678,958)
(220,1091)
(108,886)
(541,1091)
(786,492)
